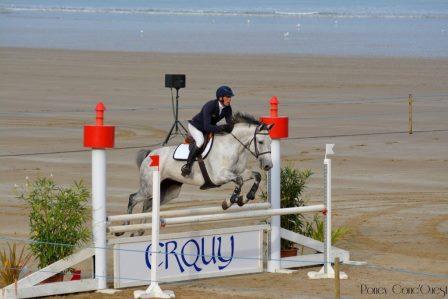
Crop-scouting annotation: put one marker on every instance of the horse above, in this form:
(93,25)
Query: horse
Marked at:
(226,162)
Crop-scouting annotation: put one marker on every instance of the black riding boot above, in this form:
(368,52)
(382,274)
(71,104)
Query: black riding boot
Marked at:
(186,169)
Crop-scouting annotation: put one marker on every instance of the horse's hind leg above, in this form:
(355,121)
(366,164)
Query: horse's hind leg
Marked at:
(147,205)
(134,198)
(169,189)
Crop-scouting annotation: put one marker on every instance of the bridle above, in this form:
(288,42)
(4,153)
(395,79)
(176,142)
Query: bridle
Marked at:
(257,153)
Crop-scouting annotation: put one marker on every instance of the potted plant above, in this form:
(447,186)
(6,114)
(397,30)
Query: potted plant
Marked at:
(13,264)
(57,219)
(315,229)
(292,184)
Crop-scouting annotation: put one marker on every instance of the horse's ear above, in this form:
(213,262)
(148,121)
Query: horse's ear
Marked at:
(269,127)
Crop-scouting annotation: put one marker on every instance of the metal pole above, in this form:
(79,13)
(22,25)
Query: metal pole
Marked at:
(327,222)
(154,290)
(155,231)
(177,111)
(99,215)
(274,262)
(268,245)
(327,271)
(410,101)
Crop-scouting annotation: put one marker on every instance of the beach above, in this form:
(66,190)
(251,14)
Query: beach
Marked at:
(389,187)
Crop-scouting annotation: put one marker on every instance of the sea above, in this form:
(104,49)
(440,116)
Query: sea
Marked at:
(397,28)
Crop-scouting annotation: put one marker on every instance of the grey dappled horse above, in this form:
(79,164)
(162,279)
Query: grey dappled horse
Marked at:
(226,161)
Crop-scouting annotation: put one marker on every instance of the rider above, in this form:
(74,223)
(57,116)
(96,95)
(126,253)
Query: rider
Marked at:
(205,122)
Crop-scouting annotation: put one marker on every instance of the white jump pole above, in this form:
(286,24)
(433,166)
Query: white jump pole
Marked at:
(154,290)
(99,215)
(241,215)
(99,137)
(327,270)
(280,130)
(327,222)
(274,263)
(190,212)
(178,213)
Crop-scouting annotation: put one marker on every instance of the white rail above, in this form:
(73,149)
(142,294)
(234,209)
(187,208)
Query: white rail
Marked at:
(235,214)
(189,212)
(238,215)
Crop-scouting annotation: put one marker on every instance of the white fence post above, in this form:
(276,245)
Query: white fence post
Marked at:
(327,270)
(99,137)
(154,290)
(274,261)
(277,132)
(99,215)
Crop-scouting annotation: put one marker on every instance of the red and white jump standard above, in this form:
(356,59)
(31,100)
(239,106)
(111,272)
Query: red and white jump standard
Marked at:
(99,137)
(278,131)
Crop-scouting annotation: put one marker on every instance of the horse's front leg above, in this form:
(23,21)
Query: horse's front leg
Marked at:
(256,176)
(131,204)
(248,175)
(235,197)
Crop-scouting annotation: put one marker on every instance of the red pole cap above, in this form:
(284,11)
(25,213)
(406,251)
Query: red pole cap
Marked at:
(280,128)
(99,136)
(100,108)
(274,106)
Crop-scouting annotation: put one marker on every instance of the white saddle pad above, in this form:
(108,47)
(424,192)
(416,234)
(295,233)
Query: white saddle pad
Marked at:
(182,151)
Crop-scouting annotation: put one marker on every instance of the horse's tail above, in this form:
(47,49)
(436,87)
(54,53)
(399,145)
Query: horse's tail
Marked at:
(141,155)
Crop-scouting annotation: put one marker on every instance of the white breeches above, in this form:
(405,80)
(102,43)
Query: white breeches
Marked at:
(196,134)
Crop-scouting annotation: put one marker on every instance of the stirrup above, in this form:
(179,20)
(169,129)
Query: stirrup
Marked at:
(186,170)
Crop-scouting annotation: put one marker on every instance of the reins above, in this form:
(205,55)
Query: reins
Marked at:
(254,139)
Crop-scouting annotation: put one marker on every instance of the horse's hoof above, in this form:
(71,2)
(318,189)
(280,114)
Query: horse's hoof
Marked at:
(141,232)
(132,235)
(118,234)
(240,201)
(224,205)
(250,196)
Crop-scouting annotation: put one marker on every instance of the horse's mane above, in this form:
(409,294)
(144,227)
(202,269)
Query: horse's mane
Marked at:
(244,118)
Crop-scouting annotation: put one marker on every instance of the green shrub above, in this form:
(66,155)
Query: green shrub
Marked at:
(57,218)
(315,229)
(292,185)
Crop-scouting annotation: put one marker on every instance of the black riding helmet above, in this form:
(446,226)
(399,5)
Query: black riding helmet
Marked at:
(224,91)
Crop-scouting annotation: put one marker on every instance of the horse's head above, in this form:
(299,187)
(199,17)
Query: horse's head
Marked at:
(262,146)
(257,140)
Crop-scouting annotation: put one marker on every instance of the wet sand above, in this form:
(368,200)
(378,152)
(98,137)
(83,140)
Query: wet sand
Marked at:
(389,187)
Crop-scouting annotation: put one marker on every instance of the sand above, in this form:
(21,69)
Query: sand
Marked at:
(389,187)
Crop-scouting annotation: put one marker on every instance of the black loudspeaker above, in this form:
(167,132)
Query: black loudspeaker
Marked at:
(175,81)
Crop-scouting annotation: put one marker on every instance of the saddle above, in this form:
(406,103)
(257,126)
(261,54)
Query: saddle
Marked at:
(182,151)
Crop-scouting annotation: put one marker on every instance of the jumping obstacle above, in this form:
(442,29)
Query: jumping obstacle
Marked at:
(173,213)
(187,255)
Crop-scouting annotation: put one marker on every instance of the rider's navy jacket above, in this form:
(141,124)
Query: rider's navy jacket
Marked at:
(206,120)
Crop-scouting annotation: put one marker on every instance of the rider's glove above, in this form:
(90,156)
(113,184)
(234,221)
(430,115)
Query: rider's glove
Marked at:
(226,128)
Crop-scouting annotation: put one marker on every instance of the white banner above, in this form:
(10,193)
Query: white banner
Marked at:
(190,255)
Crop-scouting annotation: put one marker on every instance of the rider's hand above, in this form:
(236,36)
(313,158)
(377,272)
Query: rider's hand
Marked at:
(227,128)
